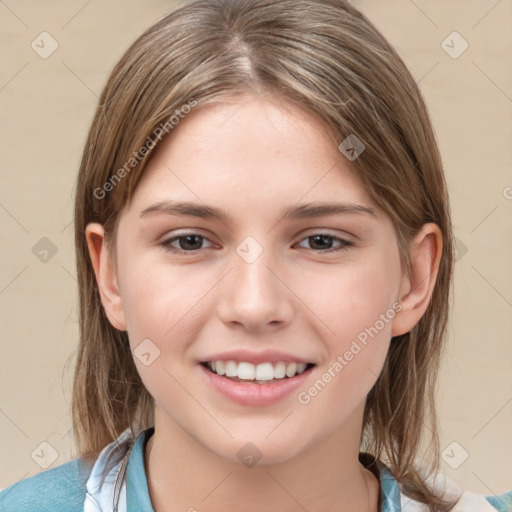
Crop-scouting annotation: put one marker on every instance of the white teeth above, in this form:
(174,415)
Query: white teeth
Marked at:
(231,369)
(220,368)
(246,371)
(291,369)
(263,372)
(280,370)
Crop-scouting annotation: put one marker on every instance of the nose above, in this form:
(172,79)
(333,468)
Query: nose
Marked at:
(255,294)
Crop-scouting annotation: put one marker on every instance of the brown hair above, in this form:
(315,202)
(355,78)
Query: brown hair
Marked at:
(326,57)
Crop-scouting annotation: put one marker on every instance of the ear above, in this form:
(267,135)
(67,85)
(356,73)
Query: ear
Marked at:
(105,275)
(416,290)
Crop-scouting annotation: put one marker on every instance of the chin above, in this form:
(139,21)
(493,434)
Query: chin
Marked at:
(250,450)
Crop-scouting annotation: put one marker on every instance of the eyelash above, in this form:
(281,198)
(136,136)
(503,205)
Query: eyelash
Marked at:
(345,244)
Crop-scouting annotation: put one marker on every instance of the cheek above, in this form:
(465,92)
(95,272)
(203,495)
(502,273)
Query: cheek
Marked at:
(358,308)
(166,307)
(158,299)
(352,298)
(162,305)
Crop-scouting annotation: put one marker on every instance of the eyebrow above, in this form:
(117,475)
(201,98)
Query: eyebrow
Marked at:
(301,211)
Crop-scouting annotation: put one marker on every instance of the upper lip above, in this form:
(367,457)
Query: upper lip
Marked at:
(265,356)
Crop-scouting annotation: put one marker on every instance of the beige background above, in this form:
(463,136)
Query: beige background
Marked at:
(46,107)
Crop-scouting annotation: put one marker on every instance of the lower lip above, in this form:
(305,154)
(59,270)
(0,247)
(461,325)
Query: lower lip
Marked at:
(252,393)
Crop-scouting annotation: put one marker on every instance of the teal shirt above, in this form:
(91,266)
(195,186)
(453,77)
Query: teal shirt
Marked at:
(63,488)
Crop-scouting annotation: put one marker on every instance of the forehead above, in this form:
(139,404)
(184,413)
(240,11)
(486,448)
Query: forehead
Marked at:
(247,154)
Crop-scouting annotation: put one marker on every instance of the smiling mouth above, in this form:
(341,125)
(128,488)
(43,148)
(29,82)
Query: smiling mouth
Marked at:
(263,373)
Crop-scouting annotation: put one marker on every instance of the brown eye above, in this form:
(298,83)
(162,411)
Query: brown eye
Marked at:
(188,243)
(323,243)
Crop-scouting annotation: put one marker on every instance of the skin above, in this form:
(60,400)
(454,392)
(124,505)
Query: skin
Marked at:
(253,157)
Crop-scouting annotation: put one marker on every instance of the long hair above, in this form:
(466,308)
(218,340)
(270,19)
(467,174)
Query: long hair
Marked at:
(327,58)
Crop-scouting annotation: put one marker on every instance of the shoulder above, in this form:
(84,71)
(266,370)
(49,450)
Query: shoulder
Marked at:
(59,488)
(394,495)
(468,501)
(75,486)
(501,502)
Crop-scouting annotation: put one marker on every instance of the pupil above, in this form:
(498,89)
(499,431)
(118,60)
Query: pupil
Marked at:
(321,237)
(188,238)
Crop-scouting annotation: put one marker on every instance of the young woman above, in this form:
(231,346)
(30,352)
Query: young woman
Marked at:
(265,254)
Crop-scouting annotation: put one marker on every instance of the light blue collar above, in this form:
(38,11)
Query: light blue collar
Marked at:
(137,493)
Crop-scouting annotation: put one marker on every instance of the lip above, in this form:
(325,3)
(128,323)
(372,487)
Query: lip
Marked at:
(265,356)
(251,393)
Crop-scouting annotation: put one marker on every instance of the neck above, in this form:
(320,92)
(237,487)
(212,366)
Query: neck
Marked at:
(182,475)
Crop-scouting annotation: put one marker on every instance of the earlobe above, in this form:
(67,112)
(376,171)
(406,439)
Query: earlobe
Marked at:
(105,273)
(416,290)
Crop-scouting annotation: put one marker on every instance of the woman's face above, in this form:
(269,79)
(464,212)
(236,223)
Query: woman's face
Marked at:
(257,272)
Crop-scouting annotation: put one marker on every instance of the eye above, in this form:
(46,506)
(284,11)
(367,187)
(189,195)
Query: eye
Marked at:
(323,240)
(190,241)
